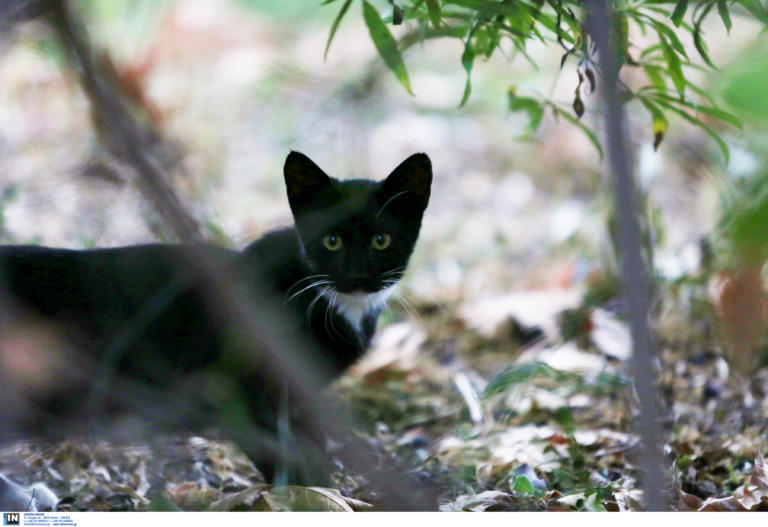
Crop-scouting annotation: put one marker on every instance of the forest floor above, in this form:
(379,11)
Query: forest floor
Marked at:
(487,404)
(506,386)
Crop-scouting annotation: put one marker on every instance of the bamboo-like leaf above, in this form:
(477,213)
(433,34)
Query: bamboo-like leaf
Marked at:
(433,7)
(698,41)
(467,60)
(722,115)
(671,36)
(677,14)
(756,9)
(655,76)
(701,47)
(533,108)
(696,122)
(725,15)
(717,113)
(335,25)
(386,45)
(675,69)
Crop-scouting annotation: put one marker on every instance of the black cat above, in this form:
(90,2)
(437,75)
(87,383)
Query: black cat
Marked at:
(135,329)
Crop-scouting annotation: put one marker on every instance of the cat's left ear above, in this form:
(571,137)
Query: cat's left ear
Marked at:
(408,186)
(305,181)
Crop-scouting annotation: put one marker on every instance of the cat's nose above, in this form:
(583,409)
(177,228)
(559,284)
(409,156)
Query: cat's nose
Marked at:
(352,282)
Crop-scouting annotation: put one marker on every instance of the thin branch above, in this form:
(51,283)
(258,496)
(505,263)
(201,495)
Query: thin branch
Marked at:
(635,276)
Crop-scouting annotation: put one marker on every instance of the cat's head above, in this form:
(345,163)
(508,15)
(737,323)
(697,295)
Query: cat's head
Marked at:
(359,233)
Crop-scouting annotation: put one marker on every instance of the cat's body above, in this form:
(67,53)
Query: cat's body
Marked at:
(120,326)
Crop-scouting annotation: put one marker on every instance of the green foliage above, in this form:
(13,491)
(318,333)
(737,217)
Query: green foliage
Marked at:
(385,44)
(484,25)
(571,383)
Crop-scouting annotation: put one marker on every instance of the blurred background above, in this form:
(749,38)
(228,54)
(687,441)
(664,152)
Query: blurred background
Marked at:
(518,230)
(237,84)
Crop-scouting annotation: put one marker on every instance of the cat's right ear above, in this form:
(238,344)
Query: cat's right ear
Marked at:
(304,180)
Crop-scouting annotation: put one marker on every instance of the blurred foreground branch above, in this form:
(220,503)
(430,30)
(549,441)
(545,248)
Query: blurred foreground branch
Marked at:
(256,326)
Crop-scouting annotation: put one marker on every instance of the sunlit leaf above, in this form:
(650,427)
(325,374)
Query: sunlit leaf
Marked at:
(386,44)
(659,122)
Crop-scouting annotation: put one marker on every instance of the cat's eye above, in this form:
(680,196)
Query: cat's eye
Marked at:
(381,241)
(332,242)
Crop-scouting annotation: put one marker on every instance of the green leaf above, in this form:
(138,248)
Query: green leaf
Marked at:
(386,44)
(701,47)
(677,15)
(698,41)
(467,59)
(725,15)
(756,9)
(675,70)
(564,417)
(696,122)
(671,36)
(335,26)
(433,6)
(655,76)
(521,484)
(532,107)
(589,133)
(717,113)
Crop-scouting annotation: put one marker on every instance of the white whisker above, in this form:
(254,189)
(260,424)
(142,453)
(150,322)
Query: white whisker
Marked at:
(318,296)
(310,286)
(288,292)
(390,199)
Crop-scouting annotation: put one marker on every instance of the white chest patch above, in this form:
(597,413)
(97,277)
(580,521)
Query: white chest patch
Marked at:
(355,306)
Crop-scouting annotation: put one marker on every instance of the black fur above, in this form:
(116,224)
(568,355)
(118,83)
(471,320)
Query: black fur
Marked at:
(136,319)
